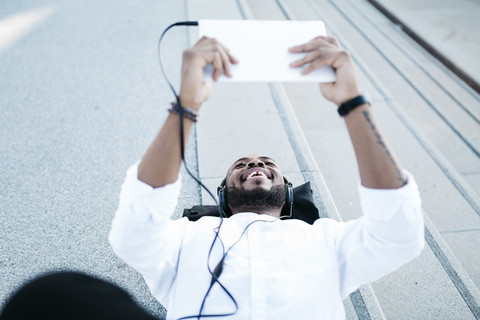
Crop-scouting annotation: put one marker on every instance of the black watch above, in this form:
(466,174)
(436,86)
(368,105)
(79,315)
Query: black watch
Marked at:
(351,104)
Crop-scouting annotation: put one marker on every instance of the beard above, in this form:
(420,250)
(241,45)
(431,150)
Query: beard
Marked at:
(254,200)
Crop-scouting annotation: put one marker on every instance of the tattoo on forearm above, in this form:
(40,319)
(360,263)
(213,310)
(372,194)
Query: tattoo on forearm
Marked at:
(384,146)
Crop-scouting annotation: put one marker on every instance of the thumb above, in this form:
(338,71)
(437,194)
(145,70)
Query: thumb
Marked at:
(207,88)
(327,90)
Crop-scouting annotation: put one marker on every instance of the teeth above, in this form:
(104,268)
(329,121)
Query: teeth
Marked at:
(256,173)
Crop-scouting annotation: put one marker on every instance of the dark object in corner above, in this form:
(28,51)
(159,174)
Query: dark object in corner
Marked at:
(303,207)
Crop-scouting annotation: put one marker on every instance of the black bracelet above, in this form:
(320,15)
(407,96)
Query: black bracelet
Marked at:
(351,104)
(187,112)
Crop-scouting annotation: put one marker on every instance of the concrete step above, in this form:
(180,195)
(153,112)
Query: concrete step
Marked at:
(451,27)
(470,221)
(421,107)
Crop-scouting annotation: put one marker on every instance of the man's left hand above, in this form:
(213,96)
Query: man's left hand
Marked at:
(325,51)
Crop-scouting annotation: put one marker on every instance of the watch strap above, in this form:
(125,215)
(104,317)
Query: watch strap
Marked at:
(351,104)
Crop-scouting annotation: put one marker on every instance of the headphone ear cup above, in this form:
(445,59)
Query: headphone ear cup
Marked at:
(289,193)
(222,198)
(288,206)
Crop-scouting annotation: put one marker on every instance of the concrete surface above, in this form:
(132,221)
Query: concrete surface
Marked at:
(451,26)
(83,96)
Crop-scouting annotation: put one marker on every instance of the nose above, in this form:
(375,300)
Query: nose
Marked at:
(256,163)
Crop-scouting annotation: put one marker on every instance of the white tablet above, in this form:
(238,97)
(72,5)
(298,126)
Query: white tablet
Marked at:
(262,48)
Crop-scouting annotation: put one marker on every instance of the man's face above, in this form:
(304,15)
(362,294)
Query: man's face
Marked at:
(254,172)
(255,184)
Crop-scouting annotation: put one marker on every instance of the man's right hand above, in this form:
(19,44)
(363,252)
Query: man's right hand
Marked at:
(161,163)
(194,90)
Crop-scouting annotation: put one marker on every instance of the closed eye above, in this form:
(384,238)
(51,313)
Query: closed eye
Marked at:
(239,165)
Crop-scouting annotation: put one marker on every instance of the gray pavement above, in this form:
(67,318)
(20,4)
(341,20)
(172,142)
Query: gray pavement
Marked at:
(82,97)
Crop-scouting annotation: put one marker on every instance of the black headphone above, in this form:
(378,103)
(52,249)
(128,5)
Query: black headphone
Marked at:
(223,201)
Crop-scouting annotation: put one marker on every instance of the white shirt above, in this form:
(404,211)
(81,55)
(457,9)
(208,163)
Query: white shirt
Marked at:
(279,269)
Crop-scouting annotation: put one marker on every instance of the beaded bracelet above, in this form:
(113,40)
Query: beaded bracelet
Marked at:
(187,112)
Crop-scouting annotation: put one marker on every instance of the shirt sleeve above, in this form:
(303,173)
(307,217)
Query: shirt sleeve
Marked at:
(389,234)
(142,233)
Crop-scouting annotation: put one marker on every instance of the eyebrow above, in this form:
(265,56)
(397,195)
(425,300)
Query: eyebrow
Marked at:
(261,158)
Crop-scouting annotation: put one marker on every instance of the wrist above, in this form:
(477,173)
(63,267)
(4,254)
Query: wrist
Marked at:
(186,112)
(348,97)
(357,101)
(189,102)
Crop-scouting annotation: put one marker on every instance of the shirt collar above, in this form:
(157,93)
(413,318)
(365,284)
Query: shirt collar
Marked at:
(254,215)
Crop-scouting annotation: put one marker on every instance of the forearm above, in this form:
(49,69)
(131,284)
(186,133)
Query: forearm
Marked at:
(161,163)
(378,167)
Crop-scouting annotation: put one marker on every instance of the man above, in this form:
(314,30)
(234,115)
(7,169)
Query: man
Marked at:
(270,268)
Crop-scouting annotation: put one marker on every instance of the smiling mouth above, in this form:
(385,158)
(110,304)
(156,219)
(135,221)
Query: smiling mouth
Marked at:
(256,172)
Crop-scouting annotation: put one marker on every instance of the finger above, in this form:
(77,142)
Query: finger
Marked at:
(326,87)
(301,62)
(216,54)
(309,57)
(325,59)
(229,56)
(207,86)
(313,66)
(296,49)
(300,48)
(226,58)
(311,45)
(334,59)
(316,44)
(213,52)
(232,58)
(225,62)
(217,65)
(306,47)
(203,41)
(333,41)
